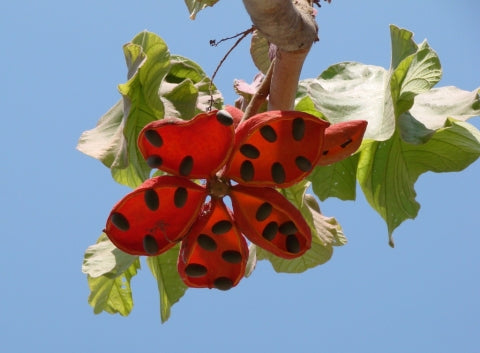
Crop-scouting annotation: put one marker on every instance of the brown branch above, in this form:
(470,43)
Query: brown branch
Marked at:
(292,28)
(289,25)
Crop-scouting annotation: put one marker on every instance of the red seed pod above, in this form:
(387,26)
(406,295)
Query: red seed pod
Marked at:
(155,216)
(276,148)
(186,148)
(214,254)
(236,114)
(270,221)
(342,140)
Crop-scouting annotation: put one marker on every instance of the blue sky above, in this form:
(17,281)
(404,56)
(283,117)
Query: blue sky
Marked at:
(61,62)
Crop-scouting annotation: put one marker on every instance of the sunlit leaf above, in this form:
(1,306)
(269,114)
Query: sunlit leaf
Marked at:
(187,91)
(432,108)
(353,91)
(104,257)
(158,85)
(112,292)
(387,170)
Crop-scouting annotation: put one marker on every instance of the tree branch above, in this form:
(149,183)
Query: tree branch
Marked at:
(289,25)
(292,28)
(285,77)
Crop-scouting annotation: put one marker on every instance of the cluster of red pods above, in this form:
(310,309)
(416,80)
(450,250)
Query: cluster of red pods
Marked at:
(213,156)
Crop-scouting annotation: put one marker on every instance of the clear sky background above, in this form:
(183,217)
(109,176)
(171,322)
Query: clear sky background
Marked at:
(60,64)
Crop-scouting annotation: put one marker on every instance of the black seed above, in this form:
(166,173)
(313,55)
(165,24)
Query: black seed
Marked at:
(151,199)
(303,164)
(154,161)
(221,227)
(247,171)
(223,283)
(325,152)
(268,133)
(150,244)
(298,129)
(186,166)
(195,270)
(154,138)
(224,118)
(263,212)
(250,151)
(292,244)
(232,256)
(346,143)
(278,173)
(206,242)
(288,228)
(180,197)
(120,221)
(270,231)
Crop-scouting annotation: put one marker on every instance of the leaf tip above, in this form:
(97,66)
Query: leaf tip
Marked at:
(391,242)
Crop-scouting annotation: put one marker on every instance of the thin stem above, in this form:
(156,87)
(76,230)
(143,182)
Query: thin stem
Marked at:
(261,94)
(242,36)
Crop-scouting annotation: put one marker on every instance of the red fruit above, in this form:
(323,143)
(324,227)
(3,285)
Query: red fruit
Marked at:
(195,148)
(236,114)
(270,221)
(272,149)
(276,148)
(341,140)
(155,216)
(214,253)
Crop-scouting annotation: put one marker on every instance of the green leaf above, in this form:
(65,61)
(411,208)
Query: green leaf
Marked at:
(432,108)
(105,258)
(195,6)
(402,43)
(387,170)
(109,271)
(112,292)
(353,91)
(142,103)
(259,48)
(153,69)
(104,140)
(158,84)
(170,286)
(187,90)
(336,180)
(407,121)
(415,74)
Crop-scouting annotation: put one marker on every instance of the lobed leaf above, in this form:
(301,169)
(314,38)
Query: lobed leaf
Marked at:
(388,169)
(404,115)
(105,258)
(158,84)
(112,292)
